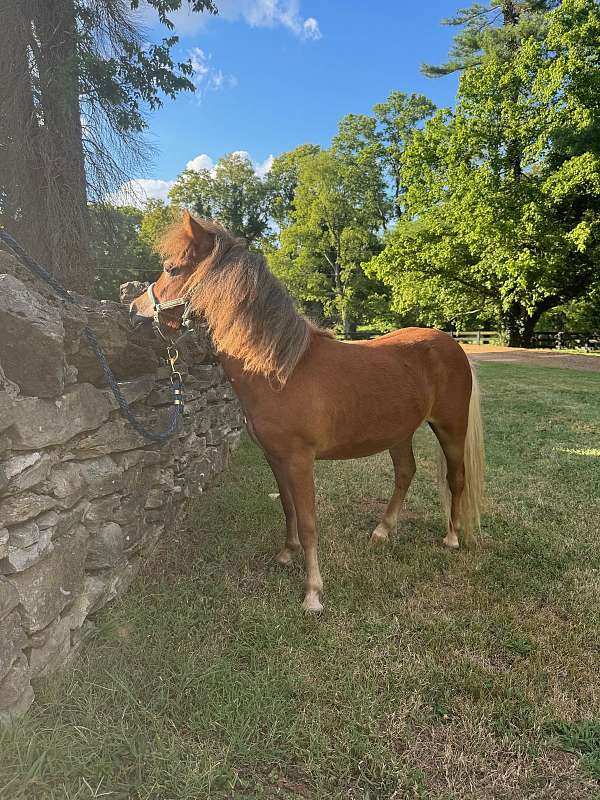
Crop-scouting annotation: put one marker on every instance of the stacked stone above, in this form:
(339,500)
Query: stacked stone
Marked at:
(83,497)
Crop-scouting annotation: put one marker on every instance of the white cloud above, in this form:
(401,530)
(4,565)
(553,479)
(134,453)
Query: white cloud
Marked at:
(205,77)
(261,168)
(256,13)
(200,69)
(270,14)
(311,29)
(138,191)
(200,162)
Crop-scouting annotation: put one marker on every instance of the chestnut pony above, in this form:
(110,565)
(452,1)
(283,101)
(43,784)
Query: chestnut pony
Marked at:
(307,396)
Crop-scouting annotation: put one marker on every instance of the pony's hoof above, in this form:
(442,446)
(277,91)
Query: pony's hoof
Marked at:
(451,541)
(312,603)
(284,557)
(379,536)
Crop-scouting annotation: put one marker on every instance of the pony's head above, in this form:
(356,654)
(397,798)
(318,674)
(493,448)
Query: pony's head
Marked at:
(185,248)
(210,272)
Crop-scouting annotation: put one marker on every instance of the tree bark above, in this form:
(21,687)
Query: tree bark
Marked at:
(518,325)
(23,210)
(66,186)
(42,164)
(529,324)
(510,325)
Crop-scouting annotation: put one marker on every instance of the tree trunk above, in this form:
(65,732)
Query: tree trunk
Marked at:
(65,187)
(529,324)
(42,167)
(349,325)
(510,325)
(23,210)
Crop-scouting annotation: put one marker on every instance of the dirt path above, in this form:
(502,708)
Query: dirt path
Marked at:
(535,358)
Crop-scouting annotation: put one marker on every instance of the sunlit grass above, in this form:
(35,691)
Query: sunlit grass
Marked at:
(431,674)
(581,451)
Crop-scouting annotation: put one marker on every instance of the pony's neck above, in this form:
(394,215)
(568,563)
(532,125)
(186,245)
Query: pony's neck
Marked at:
(251,316)
(248,386)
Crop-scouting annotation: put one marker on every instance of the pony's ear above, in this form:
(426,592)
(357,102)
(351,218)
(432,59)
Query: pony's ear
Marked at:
(195,229)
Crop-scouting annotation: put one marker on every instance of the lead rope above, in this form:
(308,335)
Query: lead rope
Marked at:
(90,336)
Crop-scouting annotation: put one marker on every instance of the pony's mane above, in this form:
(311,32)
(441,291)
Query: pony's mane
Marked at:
(249,312)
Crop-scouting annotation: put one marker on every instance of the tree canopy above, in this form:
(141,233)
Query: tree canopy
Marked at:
(120,250)
(504,193)
(494,26)
(232,193)
(487,213)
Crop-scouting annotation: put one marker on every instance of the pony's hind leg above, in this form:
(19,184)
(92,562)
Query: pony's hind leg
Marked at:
(452,442)
(404,470)
(292,542)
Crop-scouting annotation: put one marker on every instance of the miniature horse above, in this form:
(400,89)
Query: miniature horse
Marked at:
(307,396)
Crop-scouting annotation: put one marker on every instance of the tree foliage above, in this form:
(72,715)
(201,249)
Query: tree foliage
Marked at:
(283,177)
(333,231)
(504,193)
(398,118)
(332,206)
(495,26)
(232,193)
(120,251)
(156,218)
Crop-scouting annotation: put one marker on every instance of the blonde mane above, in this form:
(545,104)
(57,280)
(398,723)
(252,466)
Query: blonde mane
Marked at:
(249,312)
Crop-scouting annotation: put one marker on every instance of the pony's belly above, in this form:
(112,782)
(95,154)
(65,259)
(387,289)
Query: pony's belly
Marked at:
(357,450)
(357,433)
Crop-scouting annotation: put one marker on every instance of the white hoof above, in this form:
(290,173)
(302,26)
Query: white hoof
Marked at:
(451,541)
(284,557)
(312,603)
(379,535)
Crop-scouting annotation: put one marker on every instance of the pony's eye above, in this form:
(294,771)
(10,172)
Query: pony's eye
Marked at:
(172,270)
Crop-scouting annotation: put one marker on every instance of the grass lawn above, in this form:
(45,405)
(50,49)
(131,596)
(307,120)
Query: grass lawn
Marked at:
(431,674)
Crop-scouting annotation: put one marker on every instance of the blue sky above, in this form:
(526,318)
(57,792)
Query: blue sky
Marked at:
(273,74)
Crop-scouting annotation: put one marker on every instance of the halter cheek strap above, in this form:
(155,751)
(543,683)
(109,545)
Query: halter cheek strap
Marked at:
(186,321)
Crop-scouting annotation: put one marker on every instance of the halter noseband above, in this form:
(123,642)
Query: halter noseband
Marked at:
(186,321)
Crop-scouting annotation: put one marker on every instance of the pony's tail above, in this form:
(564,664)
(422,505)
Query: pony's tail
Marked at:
(472,496)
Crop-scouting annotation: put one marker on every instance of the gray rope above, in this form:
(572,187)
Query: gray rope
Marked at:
(90,336)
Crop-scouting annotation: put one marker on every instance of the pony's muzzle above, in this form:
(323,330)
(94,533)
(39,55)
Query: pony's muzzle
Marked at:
(136,320)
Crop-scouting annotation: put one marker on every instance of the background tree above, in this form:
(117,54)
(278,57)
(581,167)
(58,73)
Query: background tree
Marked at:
(482,234)
(120,251)
(283,177)
(333,230)
(156,218)
(398,118)
(61,62)
(232,193)
(360,155)
(495,26)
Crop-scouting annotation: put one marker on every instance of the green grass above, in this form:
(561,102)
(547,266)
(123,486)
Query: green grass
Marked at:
(431,674)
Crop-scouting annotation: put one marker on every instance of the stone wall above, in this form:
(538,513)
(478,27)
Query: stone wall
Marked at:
(83,497)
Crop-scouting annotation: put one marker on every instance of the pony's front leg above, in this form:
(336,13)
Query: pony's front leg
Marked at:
(292,542)
(297,471)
